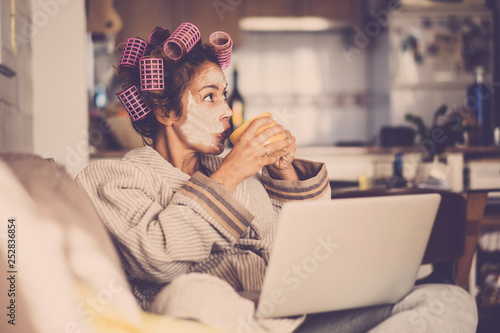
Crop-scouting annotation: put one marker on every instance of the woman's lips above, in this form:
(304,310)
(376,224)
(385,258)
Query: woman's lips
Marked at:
(226,133)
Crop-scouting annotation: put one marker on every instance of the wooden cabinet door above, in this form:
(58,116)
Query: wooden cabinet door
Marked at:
(333,9)
(270,8)
(208,16)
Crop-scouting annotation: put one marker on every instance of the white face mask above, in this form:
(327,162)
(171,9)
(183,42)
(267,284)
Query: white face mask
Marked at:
(203,119)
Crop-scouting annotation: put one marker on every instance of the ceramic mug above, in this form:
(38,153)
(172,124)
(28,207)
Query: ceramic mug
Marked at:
(237,132)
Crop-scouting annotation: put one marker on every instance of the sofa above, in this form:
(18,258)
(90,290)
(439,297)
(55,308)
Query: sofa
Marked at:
(61,272)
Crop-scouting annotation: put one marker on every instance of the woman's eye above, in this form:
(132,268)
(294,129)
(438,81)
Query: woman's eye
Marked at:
(225,95)
(208,98)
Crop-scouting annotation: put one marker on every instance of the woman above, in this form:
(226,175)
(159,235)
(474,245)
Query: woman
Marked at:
(175,209)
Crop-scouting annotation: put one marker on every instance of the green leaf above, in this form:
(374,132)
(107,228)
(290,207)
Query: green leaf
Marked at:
(419,123)
(441,111)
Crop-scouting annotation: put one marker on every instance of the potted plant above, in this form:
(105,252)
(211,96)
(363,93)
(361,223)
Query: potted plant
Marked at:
(447,129)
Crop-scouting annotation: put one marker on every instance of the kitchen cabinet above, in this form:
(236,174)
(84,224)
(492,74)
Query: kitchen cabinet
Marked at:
(138,20)
(278,8)
(482,174)
(486,265)
(332,9)
(208,16)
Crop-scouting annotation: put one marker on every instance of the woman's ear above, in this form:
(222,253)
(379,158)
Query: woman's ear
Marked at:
(164,117)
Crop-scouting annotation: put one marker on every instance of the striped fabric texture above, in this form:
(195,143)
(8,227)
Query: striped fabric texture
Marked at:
(166,223)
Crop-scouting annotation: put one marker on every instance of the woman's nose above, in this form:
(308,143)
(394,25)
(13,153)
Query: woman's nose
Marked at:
(227,113)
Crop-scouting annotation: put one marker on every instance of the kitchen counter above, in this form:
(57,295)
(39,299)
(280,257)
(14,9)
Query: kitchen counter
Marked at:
(374,162)
(348,164)
(322,150)
(342,150)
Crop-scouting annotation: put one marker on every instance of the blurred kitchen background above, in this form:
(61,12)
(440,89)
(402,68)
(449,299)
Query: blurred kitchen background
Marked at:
(375,89)
(356,82)
(362,84)
(337,73)
(334,72)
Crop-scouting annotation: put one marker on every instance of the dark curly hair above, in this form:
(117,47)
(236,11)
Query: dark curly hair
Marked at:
(177,76)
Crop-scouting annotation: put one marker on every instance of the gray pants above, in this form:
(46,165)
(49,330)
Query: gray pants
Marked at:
(427,308)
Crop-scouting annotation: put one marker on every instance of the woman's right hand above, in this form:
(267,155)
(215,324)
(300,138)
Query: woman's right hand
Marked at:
(249,154)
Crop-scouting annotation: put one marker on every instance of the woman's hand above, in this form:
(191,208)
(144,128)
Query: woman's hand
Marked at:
(283,168)
(249,154)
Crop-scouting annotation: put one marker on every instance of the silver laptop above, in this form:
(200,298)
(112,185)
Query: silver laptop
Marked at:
(346,253)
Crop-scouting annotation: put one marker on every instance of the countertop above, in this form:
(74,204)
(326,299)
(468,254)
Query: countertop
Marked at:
(359,150)
(470,151)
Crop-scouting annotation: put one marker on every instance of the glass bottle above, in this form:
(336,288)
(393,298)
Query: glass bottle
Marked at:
(236,103)
(479,102)
(397,180)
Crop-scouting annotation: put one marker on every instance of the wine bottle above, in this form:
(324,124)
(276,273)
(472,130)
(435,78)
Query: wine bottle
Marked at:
(236,103)
(479,102)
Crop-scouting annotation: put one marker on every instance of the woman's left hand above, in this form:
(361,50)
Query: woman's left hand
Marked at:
(283,168)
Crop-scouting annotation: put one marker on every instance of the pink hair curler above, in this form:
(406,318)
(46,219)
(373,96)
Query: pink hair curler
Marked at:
(133,50)
(157,37)
(134,104)
(181,41)
(151,73)
(223,46)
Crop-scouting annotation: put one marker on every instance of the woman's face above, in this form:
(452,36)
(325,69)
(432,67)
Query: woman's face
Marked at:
(204,125)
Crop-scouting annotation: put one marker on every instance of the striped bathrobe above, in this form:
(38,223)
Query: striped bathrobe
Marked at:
(166,223)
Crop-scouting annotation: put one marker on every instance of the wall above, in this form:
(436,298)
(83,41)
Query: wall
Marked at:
(307,82)
(16,92)
(60,106)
